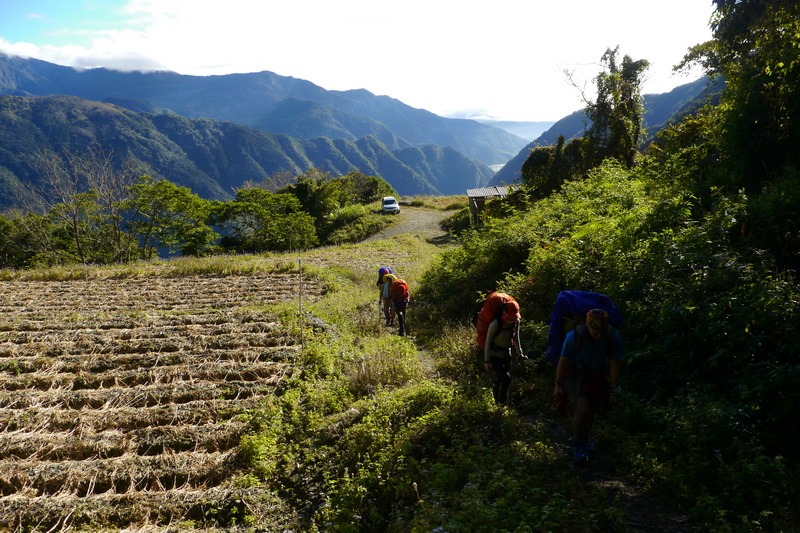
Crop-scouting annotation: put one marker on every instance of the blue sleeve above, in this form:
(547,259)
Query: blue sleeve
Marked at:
(569,345)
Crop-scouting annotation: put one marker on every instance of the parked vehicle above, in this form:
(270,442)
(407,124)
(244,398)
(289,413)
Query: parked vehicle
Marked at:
(390,205)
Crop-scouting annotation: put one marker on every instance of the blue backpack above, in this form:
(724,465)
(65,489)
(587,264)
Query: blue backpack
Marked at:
(569,311)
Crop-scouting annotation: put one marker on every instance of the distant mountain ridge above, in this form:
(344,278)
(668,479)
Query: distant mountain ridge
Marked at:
(210,157)
(266,101)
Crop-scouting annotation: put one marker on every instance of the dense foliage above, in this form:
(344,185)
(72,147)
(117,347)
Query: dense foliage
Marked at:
(697,242)
(99,214)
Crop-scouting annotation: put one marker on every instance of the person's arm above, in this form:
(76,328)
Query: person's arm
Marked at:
(563,363)
(490,333)
(561,373)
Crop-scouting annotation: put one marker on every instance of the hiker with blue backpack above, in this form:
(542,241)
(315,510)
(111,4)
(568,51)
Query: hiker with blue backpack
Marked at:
(587,375)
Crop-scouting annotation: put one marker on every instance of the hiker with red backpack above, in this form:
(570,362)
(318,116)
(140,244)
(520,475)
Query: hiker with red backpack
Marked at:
(498,337)
(400,296)
(587,374)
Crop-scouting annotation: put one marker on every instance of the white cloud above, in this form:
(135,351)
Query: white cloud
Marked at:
(505,57)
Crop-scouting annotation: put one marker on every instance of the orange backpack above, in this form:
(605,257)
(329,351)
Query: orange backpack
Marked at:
(498,305)
(399,291)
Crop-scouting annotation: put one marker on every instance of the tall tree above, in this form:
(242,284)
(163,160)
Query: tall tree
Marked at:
(111,183)
(260,220)
(617,112)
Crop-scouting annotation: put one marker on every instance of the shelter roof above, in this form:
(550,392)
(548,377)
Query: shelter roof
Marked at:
(488,192)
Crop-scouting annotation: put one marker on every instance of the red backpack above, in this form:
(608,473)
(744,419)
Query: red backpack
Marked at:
(399,291)
(498,305)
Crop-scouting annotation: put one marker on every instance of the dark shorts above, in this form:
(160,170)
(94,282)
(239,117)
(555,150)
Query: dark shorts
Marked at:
(590,385)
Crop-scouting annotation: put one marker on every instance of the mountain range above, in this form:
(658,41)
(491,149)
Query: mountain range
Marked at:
(213,133)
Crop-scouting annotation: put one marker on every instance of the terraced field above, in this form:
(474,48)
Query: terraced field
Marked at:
(117,397)
(119,393)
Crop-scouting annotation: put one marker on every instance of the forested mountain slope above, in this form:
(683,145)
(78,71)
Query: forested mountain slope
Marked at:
(210,157)
(267,101)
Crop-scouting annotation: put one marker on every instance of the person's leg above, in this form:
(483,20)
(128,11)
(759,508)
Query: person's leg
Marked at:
(582,416)
(401,318)
(582,420)
(389,312)
(502,372)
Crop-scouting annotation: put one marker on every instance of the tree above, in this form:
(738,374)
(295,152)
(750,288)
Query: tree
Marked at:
(111,184)
(756,48)
(164,215)
(616,117)
(84,196)
(616,114)
(317,193)
(260,220)
(71,208)
(548,167)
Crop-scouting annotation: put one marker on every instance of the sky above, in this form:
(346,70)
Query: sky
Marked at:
(501,59)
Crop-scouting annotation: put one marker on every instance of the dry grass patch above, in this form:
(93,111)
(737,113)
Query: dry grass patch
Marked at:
(118,396)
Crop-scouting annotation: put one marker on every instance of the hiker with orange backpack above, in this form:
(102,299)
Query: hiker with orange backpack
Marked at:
(588,374)
(400,296)
(498,337)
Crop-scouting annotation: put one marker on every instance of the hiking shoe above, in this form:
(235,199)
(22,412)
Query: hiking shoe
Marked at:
(579,454)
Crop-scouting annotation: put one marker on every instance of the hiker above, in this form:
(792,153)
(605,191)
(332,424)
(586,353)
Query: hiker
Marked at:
(382,271)
(400,296)
(588,375)
(383,294)
(385,300)
(500,319)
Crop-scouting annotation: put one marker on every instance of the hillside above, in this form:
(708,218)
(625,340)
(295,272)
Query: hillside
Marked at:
(191,393)
(659,110)
(210,157)
(265,101)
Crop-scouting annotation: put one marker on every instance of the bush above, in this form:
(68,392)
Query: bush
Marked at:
(350,224)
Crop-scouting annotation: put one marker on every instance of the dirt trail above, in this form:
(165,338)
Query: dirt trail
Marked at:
(422,221)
